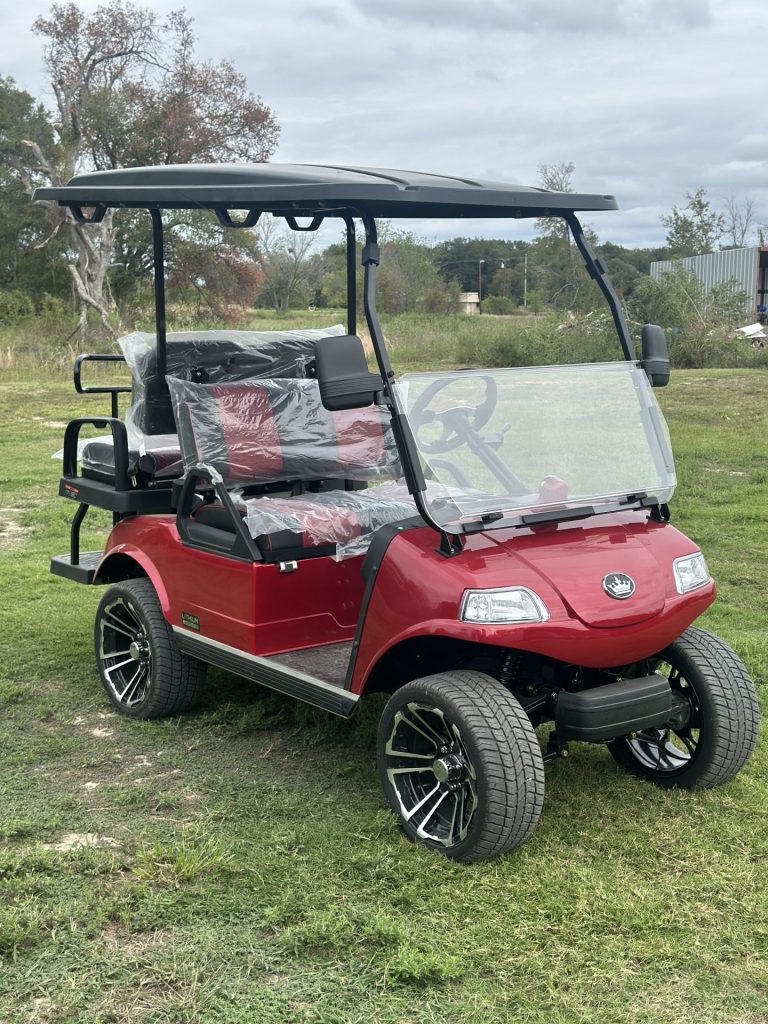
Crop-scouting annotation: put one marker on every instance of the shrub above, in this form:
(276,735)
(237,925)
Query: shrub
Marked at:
(499,305)
(14,306)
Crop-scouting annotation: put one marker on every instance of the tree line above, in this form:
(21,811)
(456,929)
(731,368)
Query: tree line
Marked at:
(129,89)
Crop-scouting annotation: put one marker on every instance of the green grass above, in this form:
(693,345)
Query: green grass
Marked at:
(238,865)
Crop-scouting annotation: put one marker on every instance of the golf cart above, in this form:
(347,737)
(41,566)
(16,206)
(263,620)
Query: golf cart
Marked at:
(490,547)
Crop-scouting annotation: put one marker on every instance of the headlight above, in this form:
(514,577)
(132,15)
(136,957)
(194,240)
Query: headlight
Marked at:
(690,572)
(510,604)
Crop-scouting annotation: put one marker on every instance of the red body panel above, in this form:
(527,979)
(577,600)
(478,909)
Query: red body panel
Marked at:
(418,592)
(251,606)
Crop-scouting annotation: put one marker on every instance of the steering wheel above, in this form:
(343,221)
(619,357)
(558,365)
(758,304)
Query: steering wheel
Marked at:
(454,421)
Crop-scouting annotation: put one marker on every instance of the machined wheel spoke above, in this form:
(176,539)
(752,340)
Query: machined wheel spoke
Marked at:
(411,755)
(459,742)
(421,830)
(114,621)
(109,669)
(463,829)
(409,814)
(132,685)
(689,741)
(438,739)
(450,839)
(113,654)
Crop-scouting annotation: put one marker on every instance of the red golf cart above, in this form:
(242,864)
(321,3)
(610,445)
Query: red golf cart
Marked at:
(490,547)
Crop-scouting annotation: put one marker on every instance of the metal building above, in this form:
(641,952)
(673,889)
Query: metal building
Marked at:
(747,267)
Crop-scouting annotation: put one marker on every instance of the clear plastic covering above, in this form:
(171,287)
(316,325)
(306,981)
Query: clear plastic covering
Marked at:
(347,519)
(208,356)
(265,430)
(535,439)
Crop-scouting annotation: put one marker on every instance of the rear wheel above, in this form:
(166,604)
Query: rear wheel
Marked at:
(460,765)
(144,673)
(713,728)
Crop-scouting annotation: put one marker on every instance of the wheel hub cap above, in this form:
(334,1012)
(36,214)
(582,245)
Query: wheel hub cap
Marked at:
(138,649)
(449,770)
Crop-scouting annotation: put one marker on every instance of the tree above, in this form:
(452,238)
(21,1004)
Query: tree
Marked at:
(694,229)
(24,263)
(555,178)
(283,262)
(128,90)
(739,217)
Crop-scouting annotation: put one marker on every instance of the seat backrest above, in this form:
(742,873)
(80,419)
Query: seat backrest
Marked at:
(269,430)
(210,357)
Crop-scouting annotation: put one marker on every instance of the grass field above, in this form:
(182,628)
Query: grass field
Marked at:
(237,864)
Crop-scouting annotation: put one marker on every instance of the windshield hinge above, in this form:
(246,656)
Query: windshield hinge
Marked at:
(450,544)
(660,513)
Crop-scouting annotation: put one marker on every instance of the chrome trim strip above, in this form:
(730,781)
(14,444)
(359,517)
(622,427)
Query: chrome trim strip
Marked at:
(262,662)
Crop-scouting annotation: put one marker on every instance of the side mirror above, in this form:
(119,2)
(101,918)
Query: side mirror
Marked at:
(343,375)
(655,355)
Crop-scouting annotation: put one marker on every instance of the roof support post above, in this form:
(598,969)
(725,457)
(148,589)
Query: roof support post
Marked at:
(596,270)
(401,428)
(159,275)
(351,275)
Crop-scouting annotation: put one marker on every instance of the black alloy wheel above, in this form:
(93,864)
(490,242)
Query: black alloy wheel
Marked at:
(713,727)
(460,765)
(142,670)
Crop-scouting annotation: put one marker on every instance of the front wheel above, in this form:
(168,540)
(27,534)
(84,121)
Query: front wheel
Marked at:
(460,765)
(144,673)
(713,728)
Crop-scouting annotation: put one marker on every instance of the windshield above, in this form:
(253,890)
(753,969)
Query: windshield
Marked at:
(537,439)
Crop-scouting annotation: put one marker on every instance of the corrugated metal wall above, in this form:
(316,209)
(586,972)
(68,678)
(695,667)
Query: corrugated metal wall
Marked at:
(716,267)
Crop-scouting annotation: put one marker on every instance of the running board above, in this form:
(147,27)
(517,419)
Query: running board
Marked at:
(266,672)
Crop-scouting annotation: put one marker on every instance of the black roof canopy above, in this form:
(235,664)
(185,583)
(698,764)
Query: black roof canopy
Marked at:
(312,189)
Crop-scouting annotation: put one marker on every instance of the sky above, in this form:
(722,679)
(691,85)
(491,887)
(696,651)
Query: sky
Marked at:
(649,99)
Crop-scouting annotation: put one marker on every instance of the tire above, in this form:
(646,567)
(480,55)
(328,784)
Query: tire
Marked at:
(714,729)
(142,670)
(460,765)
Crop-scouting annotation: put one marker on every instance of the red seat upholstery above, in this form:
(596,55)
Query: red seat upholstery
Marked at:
(268,430)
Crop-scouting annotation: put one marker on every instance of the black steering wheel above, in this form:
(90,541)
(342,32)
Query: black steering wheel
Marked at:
(454,421)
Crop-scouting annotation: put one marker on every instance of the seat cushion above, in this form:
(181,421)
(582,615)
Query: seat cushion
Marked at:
(336,523)
(160,458)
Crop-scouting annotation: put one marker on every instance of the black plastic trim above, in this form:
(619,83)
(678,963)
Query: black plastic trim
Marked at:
(369,570)
(604,712)
(113,389)
(100,494)
(84,571)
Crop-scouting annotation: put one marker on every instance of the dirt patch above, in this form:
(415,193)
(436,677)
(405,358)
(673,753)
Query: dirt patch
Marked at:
(78,840)
(133,944)
(12,533)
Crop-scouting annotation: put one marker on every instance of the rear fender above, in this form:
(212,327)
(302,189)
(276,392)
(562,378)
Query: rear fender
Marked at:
(124,562)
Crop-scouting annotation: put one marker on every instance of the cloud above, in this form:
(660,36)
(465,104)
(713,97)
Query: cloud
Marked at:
(531,17)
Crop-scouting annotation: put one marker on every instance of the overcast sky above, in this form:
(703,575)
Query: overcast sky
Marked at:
(648,98)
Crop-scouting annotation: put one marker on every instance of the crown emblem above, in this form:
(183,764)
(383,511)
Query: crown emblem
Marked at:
(618,585)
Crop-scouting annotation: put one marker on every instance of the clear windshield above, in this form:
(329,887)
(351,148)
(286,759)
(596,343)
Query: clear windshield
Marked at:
(537,439)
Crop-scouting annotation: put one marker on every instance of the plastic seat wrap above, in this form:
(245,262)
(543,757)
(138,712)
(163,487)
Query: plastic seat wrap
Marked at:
(267,430)
(347,519)
(209,356)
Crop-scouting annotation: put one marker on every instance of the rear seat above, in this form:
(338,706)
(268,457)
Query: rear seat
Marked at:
(262,431)
(205,356)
